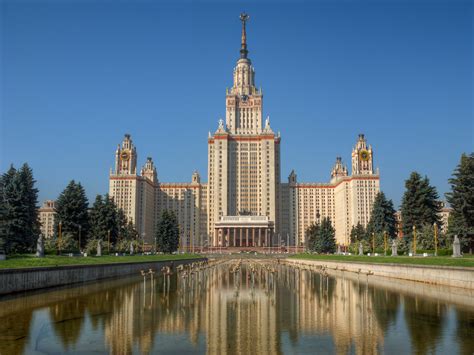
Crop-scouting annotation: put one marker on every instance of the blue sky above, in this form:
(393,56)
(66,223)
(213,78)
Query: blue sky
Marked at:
(77,75)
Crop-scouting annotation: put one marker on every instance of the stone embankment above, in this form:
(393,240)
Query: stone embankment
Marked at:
(462,277)
(27,279)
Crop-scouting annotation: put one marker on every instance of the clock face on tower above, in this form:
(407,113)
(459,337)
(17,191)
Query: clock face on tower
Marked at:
(244,98)
(125,155)
(364,155)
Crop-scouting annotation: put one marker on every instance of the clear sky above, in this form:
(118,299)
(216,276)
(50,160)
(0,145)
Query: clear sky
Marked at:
(77,75)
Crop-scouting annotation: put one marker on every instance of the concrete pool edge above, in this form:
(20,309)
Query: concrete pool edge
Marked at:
(28,279)
(446,276)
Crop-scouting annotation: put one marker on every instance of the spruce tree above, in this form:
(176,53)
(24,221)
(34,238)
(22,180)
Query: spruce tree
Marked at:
(96,219)
(461,199)
(6,211)
(382,219)
(358,233)
(322,237)
(19,226)
(167,232)
(312,233)
(72,211)
(420,205)
(29,197)
(103,220)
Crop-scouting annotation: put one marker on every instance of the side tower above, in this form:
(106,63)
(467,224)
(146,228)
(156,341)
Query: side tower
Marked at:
(123,180)
(133,193)
(243,161)
(363,186)
(362,158)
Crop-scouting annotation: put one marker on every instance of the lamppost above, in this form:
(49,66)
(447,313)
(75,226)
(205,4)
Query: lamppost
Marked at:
(108,241)
(80,232)
(373,242)
(60,225)
(414,240)
(435,227)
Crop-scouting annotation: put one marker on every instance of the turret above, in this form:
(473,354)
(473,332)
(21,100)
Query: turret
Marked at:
(126,157)
(339,170)
(149,171)
(362,157)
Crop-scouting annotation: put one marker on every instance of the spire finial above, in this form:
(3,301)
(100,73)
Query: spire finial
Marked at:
(243,48)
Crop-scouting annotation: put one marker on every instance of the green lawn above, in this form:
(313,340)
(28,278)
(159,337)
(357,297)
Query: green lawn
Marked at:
(466,261)
(21,261)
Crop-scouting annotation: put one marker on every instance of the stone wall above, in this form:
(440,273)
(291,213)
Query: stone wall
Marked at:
(438,275)
(27,279)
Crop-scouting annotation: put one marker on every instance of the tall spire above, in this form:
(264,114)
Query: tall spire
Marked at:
(243,47)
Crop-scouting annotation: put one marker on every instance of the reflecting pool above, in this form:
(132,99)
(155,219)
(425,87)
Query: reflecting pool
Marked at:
(247,307)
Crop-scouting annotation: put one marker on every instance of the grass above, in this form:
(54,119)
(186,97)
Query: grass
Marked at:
(24,261)
(466,261)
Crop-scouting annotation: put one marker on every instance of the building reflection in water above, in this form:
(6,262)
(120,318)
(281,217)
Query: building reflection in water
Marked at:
(259,308)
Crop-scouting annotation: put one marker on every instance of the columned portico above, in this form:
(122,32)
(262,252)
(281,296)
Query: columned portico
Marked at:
(243,232)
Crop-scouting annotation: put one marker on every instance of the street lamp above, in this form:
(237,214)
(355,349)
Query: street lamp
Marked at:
(414,240)
(80,232)
(435,226)
(59,237)
(108,241)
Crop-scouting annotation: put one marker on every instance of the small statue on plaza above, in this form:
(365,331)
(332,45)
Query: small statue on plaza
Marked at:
(361,249)
(394,248)
(99,248)
(456,247)
(132,249)
(40,247)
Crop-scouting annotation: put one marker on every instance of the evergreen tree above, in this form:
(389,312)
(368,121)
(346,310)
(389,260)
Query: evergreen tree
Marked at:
(425,238)
(322,237)
(104,220)
(19,226)
(461,199)
(312,233)
(29,197)
(98,229)
(382,219)
(420,205)
(7,217)
(72,212)
(167,232)
(121,224)
(358,233)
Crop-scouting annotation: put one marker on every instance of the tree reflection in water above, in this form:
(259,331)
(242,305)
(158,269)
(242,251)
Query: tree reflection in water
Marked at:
(252,307)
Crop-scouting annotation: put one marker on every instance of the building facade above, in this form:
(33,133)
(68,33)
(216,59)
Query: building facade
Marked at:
(244,203)
(46,214)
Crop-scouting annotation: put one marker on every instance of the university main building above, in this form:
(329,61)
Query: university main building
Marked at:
(244,203)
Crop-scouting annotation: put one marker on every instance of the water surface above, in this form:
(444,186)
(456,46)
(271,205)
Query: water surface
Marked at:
(255,308)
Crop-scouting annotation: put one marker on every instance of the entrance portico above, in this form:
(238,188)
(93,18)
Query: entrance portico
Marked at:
(243,232)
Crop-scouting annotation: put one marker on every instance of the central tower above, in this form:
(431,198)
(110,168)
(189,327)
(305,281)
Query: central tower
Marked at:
(244,155)
(244,100)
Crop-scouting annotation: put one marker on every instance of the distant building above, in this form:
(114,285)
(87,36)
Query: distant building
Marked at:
(46,214)
(444,215)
